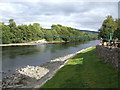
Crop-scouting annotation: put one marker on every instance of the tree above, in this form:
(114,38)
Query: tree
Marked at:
(26,33)
(54,33)
(49,34)
(6,34)
(38,30)
(117,32)
(12,23)
(108,26)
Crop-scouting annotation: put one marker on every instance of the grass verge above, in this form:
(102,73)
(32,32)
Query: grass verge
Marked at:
(85,70)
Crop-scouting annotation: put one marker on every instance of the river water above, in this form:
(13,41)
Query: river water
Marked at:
(15,57)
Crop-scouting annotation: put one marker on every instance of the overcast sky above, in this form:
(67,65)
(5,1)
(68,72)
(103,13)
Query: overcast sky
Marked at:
(80,15)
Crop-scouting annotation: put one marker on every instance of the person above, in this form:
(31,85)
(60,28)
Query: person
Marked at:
(101,41)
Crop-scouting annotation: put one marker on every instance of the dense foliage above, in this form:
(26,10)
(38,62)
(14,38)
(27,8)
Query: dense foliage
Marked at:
(25,33)
(117,32)
(110,26)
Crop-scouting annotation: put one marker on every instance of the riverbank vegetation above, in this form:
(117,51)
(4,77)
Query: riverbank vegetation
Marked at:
(85,70)
(110,27)
(26,33)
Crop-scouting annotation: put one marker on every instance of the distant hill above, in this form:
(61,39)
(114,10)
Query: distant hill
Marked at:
(84,31)
(87,31)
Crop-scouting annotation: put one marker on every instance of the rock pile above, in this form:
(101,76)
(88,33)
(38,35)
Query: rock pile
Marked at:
(24,76)
(33,72)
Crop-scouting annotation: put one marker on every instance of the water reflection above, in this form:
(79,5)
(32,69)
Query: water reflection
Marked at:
(62,46)
(13,52)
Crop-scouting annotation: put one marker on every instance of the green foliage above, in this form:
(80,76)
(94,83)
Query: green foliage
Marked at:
(21,33)
(69,32)
(49,33)
(117,32)
(12,23)
(108,26)
(26,33)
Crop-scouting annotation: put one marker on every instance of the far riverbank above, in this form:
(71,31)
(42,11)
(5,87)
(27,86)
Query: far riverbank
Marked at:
(31,43)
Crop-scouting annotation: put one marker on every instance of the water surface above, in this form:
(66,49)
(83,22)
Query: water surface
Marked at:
(15,57)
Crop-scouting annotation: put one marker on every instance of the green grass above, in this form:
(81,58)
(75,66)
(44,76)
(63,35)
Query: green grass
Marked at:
(85,70)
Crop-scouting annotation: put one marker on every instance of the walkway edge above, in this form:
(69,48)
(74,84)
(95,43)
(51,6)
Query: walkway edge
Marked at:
(38,86)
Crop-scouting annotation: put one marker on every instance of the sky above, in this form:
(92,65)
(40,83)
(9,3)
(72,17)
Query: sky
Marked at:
(82,15)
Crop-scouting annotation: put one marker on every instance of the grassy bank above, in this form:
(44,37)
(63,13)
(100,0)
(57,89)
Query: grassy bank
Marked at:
(85,70)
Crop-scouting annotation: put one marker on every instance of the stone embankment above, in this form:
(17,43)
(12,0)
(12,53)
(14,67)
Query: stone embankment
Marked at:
(110,54)
(35,76)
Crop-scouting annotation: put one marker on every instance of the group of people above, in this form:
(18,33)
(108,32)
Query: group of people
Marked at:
(110,43)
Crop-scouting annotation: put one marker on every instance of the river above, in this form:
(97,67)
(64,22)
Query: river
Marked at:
(16,57)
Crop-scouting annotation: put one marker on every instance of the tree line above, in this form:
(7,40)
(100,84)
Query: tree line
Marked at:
(13,33)
(110,27)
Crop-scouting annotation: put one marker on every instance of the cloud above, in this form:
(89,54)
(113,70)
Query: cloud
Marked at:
(59,1)
(81,15)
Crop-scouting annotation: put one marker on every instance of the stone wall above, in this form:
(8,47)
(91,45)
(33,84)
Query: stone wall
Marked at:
(110,54)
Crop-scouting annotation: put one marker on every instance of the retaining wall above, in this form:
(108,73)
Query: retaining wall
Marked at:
(110,54)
